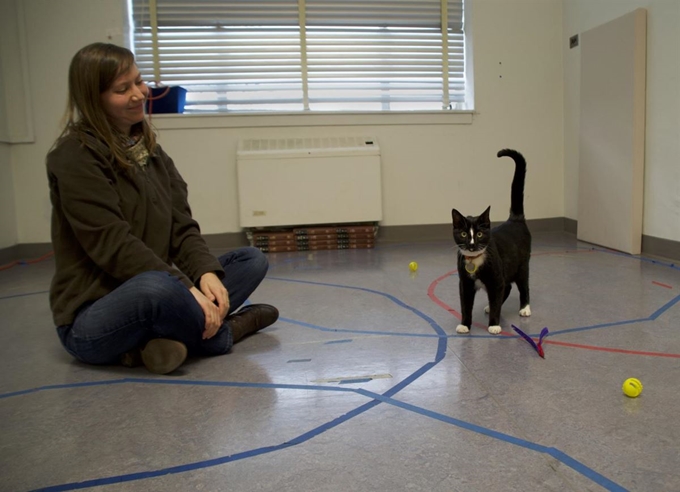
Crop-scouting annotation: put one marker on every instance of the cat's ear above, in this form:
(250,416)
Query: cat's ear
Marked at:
(484,218)
(458,219)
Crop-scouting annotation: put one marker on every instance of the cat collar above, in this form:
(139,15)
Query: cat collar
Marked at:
(470,267)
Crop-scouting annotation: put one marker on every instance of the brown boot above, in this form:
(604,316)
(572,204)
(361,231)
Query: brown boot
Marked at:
(250,319)
(162,355)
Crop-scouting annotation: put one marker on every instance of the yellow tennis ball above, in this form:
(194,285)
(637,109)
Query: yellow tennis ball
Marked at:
(632,387)
(413,266)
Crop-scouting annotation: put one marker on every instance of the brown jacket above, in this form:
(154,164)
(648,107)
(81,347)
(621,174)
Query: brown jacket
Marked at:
(109,225)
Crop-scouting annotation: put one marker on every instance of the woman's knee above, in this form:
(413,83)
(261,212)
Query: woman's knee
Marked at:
(258,260)
(169,305)
(254,258)
(160,292)
(155,285)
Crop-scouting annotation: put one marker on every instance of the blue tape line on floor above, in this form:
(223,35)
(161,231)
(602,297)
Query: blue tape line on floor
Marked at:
(354,381)
(595,327)
(555,453)
(440,354)
(233,384)
(24,295)
(179,382)
(664,308)
(651,317)
(63,386)
(640,258)
(360,332)
(376,399)
(438,329)
(584,470)
(216,461)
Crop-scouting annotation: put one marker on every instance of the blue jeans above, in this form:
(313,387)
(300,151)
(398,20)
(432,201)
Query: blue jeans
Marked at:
(158,305)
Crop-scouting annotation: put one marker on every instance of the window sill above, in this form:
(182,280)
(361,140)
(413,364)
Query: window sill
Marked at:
(197,121)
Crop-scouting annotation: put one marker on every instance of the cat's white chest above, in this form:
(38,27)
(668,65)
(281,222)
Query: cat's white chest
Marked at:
(479,261)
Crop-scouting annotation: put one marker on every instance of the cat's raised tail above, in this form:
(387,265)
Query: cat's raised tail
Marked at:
(517,190)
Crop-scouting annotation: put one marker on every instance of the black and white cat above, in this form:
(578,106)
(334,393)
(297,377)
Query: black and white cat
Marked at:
(493,259)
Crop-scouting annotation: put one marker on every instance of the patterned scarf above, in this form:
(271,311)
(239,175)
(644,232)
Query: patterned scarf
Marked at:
(136,149)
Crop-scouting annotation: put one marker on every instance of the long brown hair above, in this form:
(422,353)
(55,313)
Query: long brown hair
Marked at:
(92,72)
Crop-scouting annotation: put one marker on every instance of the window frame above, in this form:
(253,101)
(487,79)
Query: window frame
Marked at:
(465,107)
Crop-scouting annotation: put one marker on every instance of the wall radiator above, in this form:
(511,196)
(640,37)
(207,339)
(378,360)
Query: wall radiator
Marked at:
(306,181)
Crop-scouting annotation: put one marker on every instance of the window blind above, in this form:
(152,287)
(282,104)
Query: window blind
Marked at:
(299,55)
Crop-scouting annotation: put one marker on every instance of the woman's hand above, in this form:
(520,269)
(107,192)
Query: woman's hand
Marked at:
(213,319)
(214,290)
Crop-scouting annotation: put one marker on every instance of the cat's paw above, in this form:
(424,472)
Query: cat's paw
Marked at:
(494,330)
(525,311)
(462,329)
(487,309)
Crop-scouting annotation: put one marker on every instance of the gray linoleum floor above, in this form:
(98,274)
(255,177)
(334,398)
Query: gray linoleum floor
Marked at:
(363,385)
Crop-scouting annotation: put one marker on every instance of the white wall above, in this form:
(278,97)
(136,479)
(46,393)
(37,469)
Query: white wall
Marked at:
(8,221)
(8,227)
(662,169)
(55,30)
(427,168)
(15,123)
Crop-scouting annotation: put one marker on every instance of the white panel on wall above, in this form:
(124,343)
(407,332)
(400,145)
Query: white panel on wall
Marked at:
(15,115)
(303,181)
(612,133)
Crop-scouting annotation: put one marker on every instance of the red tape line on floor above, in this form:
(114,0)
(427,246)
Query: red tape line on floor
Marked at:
(442,304)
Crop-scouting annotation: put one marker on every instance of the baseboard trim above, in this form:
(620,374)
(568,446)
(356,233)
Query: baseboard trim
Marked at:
(653,246)
(665,248)
(27,251)
(226,240)
(413,233)
(556,224)
(440,232)
(570,226)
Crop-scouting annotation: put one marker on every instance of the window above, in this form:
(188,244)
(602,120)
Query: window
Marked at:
(305,55)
